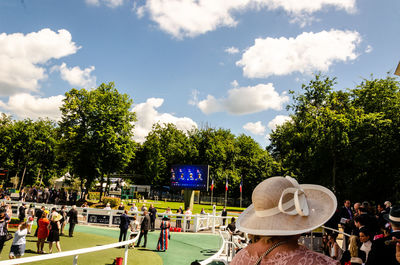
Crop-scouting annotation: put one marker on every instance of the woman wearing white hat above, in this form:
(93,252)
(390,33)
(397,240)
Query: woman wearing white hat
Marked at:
(281,211)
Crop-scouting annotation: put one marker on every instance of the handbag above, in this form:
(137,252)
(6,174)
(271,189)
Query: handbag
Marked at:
(9,236)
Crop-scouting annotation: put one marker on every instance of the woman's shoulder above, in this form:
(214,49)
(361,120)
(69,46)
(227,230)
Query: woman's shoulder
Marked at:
(299,256)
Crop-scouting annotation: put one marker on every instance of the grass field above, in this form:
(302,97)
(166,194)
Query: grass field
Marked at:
(183,248)
(162,206)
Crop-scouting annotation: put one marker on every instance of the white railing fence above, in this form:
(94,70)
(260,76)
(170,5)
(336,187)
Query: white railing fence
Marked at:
(74,253)
(94,216)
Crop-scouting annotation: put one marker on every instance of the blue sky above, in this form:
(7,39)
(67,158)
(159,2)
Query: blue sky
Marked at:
(223,64)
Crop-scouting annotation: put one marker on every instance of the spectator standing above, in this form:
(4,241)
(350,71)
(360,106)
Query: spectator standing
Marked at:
(72,219)
(144,228)
(134,226)
(18,245)
(380,252)
(202,211)
(335,251)
(188,217)
(31,215)
(346,217)
(42,232)
(133,208)
(84,214)
(121,206)
(224,214)
(22,213)
(63,220)
(178,218)
(153,216)
(4,219)
(123,225)
(162,244)
(54,232)
(38,215)
(108,207)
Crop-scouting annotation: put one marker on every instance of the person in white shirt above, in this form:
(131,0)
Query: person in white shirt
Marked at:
(18,245)
(188,214)
(108,207)
(133,208)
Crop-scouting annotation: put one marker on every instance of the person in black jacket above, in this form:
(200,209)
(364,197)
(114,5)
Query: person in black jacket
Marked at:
(72,219)
(144,228)
(21,213)
(123,225)
(383,251)
(153,216)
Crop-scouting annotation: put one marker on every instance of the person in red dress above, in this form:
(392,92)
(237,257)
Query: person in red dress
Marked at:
(43,232)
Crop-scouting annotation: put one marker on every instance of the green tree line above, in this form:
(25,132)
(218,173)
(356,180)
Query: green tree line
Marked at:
(347,140)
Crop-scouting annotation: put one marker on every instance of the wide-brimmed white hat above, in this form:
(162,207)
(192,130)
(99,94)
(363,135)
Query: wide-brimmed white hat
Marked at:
(282,207)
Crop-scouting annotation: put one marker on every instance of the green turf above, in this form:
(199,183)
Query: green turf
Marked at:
(183,248)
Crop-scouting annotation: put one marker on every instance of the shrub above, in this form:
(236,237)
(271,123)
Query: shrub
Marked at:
(94,196)
(112,201)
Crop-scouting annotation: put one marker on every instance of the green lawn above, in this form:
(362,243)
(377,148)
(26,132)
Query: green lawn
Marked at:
(162,206)
(183,248)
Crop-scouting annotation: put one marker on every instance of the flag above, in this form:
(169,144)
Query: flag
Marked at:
(212,184)
(226,185)
(241,186)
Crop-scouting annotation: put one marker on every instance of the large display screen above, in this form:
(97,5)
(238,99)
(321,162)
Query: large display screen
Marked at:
(194,177)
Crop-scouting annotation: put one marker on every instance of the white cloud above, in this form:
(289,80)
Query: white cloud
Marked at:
(93,2)
(255,127)
(245,100)
(109,3)
(27,106)
(194,97)
(189,18)
(77,77)
(234,83)
(306,53)
(21,56)
(278,120)
(147,115)
(368,49)
(232,50)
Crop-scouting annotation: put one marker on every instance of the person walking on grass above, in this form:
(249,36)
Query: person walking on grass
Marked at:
(18,245)
(54,232)
(144,228)
(162,244)
(72,219)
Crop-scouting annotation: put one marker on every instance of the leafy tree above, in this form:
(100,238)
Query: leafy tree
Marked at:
(96,131)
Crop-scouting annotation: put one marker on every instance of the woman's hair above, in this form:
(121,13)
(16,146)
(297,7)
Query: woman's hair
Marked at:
(23,225)
(353,246)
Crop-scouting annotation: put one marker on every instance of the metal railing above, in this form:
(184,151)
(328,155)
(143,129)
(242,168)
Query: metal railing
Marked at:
(74,253)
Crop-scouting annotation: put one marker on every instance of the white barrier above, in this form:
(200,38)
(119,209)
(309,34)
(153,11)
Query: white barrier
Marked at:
(74,253)
(198,221)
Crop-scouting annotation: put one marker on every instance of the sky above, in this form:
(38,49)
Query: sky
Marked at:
(195,63)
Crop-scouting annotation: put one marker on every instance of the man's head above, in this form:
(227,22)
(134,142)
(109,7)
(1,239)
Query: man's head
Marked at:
(347,203)
(394,217)
(388,204)
(356,206)
(74,207)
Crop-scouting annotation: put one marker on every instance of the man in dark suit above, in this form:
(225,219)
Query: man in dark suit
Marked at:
(383,250)
(73,219)
(346,217)
(144,228)
(123,225)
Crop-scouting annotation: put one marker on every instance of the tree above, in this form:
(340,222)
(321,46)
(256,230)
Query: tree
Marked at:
(96,132)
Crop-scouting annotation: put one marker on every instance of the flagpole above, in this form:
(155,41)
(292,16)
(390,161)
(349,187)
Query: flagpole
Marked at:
(241,187)
(226,188)
(212,191)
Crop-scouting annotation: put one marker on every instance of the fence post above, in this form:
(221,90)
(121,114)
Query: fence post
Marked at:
(111,216)
(196,223)
(126,255)
(312,241)
(75,262)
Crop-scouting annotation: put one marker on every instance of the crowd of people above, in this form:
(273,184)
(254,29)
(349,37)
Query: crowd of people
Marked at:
(50,226)
(366,229)
(44,195)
